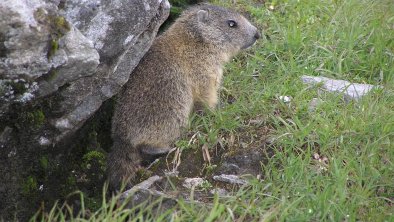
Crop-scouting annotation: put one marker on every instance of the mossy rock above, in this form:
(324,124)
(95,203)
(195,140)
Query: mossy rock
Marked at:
(33,119)
(57,27)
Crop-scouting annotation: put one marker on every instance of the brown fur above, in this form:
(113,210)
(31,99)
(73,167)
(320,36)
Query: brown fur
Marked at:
(182,68)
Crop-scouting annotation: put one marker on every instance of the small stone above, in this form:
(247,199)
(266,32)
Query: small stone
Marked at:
(257,121)
(145,192)
(285,99)
(43,141)
(172,173)
(193,182)
(233,179)
(146,184)
(12,153)
(348,89)
(219,191)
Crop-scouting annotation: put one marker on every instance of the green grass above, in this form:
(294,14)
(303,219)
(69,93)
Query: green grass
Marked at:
(351,40)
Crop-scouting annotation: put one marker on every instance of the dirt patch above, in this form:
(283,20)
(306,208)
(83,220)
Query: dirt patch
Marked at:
(238,157)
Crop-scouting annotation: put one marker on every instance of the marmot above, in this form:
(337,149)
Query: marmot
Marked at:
(183,67)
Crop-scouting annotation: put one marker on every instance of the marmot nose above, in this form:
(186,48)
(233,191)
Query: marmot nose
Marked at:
(257,35)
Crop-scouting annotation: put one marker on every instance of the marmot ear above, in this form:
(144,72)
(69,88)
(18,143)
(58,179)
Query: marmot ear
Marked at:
(202,15)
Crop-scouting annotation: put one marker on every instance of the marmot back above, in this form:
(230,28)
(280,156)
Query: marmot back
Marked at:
(182,68)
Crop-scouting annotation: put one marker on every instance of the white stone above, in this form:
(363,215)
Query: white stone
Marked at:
(229,178)
(285,99)
(348,89)
(12,153)
(193,182)
(63,124)
(43,141)
(219,191)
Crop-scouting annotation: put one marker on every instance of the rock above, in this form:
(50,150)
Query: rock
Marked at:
(24,39)
(233,179)
(150,197)
(40,51)
(145,192)
(193,182)
(348,89)
(76,58)
(285,99)
(91,48)
(122,35)
(59,61)
(219,191)
(161,194)
(146,184)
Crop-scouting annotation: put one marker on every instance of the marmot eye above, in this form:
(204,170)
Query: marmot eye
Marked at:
(232,23)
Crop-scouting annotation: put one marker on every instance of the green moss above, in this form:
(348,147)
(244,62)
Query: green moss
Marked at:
(32,119)
(29,186)
(44,162)
(61,23)
(53,47)
(57,25)
(35,118)
(94,156)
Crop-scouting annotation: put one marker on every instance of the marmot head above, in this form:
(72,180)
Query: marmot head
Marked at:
(220,27)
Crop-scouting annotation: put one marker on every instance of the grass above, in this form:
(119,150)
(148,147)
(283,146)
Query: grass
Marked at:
(332,164)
